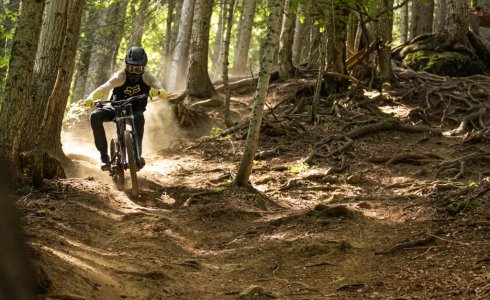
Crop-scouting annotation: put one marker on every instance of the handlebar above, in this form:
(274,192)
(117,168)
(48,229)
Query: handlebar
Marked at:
(120,102)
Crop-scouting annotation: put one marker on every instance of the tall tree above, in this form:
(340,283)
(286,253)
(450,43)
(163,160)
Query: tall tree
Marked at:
(49,138)
(422,17)
(404,23)
(84,54)
(198,82)
(18,87)
(180,56)
(106,43)
(441,15)
(47,61)
(456,23)
(138,25)
(268,46)
(298,43)
(215,54)
(226,50)
(336,28)
(384,30)
(351,34)
(245,26)
(287,40)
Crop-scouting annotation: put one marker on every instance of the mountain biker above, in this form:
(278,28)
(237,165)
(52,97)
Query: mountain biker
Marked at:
(133,80)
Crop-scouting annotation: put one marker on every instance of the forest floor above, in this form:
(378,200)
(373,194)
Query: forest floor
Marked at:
(392,215)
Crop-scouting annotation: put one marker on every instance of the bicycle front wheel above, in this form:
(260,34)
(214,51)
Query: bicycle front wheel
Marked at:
(117,168)
(133,168)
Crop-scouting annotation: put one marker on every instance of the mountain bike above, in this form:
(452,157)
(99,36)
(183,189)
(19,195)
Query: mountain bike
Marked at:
(124,149)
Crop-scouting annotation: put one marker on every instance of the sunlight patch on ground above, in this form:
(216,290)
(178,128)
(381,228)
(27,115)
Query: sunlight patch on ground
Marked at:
(77,262)
(112,216)
(161,166)
(399,111)
(87,248)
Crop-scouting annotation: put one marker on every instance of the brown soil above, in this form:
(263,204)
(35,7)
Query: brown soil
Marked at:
(374,229)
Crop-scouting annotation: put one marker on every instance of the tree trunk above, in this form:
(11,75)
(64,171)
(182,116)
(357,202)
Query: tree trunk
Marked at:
(180,57)
(268,47)
(18,87)
(105,44)
(198,82)
(385,27)
(85,54)
(441,15)
(226,50)
(138,26)
(6,43)
(319,78)
(404,23)
(49,139)
(287,40)
(422,17)
(240,58)
(172,27)
(351,34)
(456,23)
(45,69)
(215,55)
(336,29)
(65,72)
(298,43)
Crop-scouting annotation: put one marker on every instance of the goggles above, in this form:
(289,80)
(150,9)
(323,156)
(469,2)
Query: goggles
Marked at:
(135,69)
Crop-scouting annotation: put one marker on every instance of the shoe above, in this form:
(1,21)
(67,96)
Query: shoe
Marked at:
(141,163)
(105,163)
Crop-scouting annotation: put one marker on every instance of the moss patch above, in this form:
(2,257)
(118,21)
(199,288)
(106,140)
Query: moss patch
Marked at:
(444,63)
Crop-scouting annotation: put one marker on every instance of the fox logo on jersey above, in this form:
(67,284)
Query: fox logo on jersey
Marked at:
(131,90)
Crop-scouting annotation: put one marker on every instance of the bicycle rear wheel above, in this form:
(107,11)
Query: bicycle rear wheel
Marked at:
(133,168)
(117,169)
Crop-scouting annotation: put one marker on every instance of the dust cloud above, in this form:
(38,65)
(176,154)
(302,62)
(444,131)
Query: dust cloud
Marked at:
(161,130)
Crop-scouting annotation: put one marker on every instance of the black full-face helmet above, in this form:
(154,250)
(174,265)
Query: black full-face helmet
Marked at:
(136,60)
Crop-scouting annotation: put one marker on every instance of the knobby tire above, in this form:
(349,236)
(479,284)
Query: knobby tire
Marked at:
(133,168)
(118,176)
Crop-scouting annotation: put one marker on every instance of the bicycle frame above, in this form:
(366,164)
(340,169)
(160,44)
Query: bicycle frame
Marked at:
(124,116)
(125,150)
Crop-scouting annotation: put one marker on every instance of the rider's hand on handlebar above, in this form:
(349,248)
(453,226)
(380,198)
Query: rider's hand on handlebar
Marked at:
(160,93)
(88,103)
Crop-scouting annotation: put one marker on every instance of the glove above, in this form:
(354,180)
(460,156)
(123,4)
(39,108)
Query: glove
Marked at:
(88,103)
(160,93)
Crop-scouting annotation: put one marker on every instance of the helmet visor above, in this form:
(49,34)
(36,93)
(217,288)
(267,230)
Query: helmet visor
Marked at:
(135,69)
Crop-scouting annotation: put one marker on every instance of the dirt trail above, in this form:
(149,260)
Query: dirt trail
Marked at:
(193,235)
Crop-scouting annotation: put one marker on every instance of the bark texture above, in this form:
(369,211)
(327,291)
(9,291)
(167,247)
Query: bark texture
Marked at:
(422,17)
(269,45)
(179,63)
(456,23)
(287,40)
(198,82)
(45,69)
(18,87)
(245,26)
(138,26)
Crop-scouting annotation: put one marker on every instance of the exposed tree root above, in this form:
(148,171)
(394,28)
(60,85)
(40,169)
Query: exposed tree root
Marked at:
(428,240)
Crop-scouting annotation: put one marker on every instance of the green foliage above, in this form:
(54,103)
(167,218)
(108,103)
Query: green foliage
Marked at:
(298,168)
(6,35)
(463,205)
(472,184)
(215,131)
